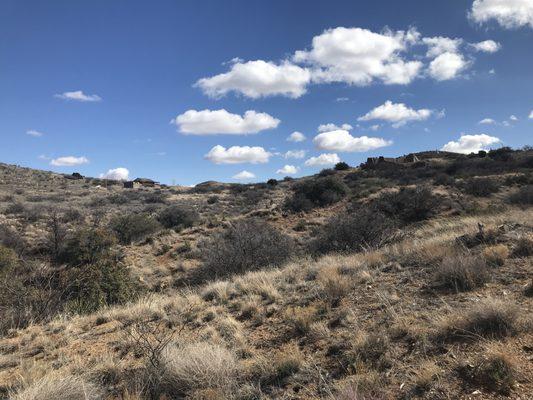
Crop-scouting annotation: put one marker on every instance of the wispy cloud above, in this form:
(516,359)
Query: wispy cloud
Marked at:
(78,95)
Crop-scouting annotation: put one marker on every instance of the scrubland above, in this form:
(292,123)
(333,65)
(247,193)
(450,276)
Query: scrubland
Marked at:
(408,283)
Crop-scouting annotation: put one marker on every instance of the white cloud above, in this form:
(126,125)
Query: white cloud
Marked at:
(513,118)
(287,170)
(487,121)
(212,122)
(323,159)
(531,115)
(238,155)
(34,133)
(295,154)
(487,46)
(244,176)
(447,66)
(296,137)
(258,79)
(508,13)
(342,99)
(78,95)
(439,45)
(69,161)
(374,127)
(397,113)
(118,174)
(359,56)
(470,143)
(341,140)
(332,127)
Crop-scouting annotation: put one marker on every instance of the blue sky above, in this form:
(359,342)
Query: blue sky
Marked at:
(94,86)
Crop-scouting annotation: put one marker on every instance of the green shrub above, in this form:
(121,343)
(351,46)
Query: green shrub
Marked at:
(177,217)
(97,285)
(342,166)
(409,204)
(133,227)
(481,187)
(246,246)
(87,246)
(318,192)
(353,232)
(272,182)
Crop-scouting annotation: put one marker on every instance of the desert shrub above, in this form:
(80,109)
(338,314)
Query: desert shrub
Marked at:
(501,154)
(15,208)
(443,180)
(154,197)
(487,319)
(356,231)
(212,199)
(247,245)
(272,182)
(318,192)
(178,217)
(480,187)
(524,195)
(523,247)
(86,246)
(408,205)
(8,258)
(197,366)
(59,387)
(91,287)
(461,273)
(326,172)
(118,198)
(528,290)
(496,255)
(495,371)
(341,166)
(133,227)
(12,239)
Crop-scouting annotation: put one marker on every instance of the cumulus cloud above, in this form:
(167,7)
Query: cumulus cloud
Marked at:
(287,170)
(258,79)
(396,113)
(332,127)
(439,45)
(69,161)
(487,46)
(238,155)
(118,174)
(341,140)
(470,143)
(508,13)
(487,121)
(513,118)
(244,176)
(212,122)
(531,115)
(295,154)
(323,159)
(34,133)
(296,137)
(447,66)
(78,95)
(359,56)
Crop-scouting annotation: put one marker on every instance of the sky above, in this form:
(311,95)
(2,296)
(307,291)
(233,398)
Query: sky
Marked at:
(243,91)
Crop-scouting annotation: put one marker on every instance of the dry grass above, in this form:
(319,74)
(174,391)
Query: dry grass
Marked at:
(197,366)
(54,386)
(496,255)
(488,319)
(461,272)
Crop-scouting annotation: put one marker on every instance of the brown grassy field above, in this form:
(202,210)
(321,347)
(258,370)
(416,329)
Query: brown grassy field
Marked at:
(367,284)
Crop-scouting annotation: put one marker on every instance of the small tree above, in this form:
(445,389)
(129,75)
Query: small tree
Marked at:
(342,166)
(56,235)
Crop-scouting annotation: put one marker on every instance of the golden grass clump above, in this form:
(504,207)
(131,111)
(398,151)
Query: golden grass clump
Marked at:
(197,366)
(496,255)
(488,319)
(54,387)
(461,273)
